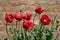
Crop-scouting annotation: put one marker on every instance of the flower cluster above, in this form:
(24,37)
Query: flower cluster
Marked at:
(28,25)
(18,16)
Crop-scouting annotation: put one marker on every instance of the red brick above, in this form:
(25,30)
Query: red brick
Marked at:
(22,2)
(3,2)
(42,1)
(52,2)
(1,9)
(58,1)
(8,8)
(14,2)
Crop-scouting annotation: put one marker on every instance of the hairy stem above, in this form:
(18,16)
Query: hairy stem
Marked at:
(16,24)
(7,31)
(34,17)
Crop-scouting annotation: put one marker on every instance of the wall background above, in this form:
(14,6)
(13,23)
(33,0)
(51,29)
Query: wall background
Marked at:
(51,7)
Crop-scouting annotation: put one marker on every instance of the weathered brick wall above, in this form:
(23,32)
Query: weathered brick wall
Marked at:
(51,7)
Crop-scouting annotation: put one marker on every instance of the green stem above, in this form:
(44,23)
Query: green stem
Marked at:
(24,35)
(19,25)
(49,35)
(12,29)
(41,26)
(52,23)
(19,31)
(17,34)
(34,17)
(16,24)
(55,17)
(7,31)
(40,33)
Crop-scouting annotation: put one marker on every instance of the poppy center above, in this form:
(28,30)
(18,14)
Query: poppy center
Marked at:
(45,20)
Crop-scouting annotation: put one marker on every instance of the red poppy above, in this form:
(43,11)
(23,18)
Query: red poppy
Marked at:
(27,16)
(18,16)
(45,20)
(9,18)
(38,10)
(28,25)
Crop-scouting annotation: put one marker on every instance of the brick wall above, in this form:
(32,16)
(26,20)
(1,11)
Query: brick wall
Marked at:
(51,7)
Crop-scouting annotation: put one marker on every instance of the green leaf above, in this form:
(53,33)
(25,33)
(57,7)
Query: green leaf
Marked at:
(49,35)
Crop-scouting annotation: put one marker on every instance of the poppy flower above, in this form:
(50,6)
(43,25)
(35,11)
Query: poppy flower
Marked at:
(45,20)
(39,10)
(28,25)
(9,18)
(18,16)
(27,16)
